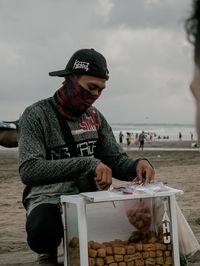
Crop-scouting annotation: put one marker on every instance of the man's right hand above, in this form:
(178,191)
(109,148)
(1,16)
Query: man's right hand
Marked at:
(103,176)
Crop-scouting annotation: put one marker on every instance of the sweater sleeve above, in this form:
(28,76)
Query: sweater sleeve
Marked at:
(111,154)
(34,169)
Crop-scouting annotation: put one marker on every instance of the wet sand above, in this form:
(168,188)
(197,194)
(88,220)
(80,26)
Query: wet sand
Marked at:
(179,169)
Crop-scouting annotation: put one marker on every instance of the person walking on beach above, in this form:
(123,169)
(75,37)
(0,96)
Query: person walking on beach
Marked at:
(193,34)
(180,136)
(131,138)
(142,137)
(121,136)
(66,146)
(128,139)
(192,135)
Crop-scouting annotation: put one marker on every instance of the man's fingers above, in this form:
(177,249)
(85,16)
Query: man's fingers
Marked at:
(150,173)
(147,175)
(101,179)
(104,187)
(102,183)
(106,179)
(103,176)
(144,169)
(98,178)
(139,175)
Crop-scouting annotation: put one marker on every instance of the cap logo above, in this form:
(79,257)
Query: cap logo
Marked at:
(81,64)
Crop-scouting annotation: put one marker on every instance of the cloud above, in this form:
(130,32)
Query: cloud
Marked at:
(144,42)
(148,13)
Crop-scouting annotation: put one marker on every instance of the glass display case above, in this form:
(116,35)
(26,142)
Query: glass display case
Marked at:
(119,229)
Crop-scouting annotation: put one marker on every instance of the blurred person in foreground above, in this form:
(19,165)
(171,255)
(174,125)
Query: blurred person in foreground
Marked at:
(66,145)
(193,33)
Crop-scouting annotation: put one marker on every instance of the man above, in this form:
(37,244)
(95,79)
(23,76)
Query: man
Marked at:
(193,30)
(50,165)
(141,140)
(121,136)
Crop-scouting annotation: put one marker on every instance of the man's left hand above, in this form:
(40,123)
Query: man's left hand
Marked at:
(145,170)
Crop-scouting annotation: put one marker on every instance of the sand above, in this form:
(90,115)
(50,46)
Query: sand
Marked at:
(179,169)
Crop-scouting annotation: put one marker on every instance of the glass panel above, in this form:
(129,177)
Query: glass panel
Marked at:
(127,232)
(133,232)
(107,221)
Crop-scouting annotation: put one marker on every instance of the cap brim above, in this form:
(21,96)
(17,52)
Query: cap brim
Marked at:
(59,73)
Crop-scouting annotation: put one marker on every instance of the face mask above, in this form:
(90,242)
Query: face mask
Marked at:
(72,100)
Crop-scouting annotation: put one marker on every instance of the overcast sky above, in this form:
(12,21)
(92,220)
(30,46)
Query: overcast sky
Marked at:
(144,42)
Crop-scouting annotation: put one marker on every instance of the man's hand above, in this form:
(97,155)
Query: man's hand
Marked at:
(103,176)
(144,169)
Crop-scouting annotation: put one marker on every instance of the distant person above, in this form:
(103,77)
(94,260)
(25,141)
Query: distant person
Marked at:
(192,135)
(136,142)
(180,136)
(193,33)
(136,136)
(142,137)
(128,139)
(121,136)
(66,146)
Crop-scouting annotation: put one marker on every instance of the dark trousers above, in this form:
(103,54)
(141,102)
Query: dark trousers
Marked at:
(141,144)
(44,228)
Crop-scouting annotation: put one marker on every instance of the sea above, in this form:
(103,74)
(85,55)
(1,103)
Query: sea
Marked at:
(162,132)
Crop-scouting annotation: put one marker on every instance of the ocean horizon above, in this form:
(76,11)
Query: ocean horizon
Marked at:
(153,124)
(163,130)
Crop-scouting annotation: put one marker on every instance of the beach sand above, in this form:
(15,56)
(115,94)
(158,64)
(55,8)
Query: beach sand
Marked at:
(179,169)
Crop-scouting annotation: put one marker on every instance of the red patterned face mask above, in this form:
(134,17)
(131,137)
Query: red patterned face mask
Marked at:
(72,100)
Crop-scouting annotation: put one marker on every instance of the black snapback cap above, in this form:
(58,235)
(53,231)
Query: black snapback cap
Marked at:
(85,62)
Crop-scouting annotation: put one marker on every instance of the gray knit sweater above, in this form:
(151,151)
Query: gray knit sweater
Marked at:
(45,163)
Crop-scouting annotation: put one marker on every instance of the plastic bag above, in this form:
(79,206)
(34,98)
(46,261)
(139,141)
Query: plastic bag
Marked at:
(139,213)
(136,188)
(188,243)
(150,188)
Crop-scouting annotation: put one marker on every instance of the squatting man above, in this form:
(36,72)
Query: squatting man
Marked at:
(65,144)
